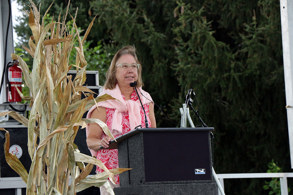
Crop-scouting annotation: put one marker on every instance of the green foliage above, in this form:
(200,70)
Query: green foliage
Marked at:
(273,186)
(98,59)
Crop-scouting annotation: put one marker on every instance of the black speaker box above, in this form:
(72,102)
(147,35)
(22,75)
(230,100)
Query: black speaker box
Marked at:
(18,136)
(92,77)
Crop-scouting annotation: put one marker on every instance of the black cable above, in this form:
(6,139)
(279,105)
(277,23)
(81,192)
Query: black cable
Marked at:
(5,46)
(189,101)
(196,112)
(145,116)
(17,110)
(6,77)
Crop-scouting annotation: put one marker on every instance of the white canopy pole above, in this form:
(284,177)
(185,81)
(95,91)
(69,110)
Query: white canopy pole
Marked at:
(286,7)
(3,91)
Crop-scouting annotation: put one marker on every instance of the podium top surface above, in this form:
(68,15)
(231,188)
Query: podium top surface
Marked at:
(175,129)
(113,143)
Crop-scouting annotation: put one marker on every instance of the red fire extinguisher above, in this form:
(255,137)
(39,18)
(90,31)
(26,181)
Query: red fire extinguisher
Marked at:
(15,81)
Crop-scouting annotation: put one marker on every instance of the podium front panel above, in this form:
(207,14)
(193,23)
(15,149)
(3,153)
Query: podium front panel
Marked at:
(177,156)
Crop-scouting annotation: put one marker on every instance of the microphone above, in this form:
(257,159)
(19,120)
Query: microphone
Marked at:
(189,95)
(134,84)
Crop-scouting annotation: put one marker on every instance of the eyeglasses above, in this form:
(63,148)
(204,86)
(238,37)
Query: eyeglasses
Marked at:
(126,65)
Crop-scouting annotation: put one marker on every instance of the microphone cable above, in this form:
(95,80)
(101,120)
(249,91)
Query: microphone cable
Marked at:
(145,116)
(5,46)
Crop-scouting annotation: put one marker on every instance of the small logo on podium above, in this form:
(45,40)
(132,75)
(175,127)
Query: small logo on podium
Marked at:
(199,171)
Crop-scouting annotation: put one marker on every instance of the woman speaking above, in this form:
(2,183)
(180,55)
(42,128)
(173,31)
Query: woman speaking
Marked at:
(122,114)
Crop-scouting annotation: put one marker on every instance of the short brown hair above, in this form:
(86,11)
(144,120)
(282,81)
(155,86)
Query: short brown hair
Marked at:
(111,80)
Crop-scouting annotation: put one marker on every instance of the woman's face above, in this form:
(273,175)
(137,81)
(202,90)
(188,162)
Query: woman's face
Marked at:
(125,73)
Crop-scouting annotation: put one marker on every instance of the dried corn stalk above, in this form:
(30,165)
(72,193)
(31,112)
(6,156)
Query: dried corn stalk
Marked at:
(56,112)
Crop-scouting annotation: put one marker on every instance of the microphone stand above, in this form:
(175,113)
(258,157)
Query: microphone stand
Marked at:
(189,104)
(196,112)
(145,116)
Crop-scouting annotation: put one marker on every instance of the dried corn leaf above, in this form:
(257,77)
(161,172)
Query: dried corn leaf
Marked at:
(50,96)
(62,159)
(43,125)
(93,180)
(102,125)
(104,98)
(83,89)
(32,46)
(87,170)
(19,92)
(56,146)
(28,51)
(45,14)
(37,62)
(64,103)
(36,12)
(80,77)
(20,118)
(32,124)
(64,18)
(79,157)
(63,65)
(48,54)
(80,57)
(119,170)
(98,179)
(56,40)
(35,174)
(60,78)
(56,191)
(98,99)
(78,113)
(36,18)
(12,160)
(81,124)
(88,30)
(34,26)
(72,107)
(50,136)
(72,168)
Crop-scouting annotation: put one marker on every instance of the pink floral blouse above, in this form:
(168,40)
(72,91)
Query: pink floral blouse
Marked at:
(110,156)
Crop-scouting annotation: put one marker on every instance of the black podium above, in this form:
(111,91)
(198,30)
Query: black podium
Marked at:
(166,161)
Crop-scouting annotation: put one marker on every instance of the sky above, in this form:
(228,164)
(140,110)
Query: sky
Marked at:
(15,14)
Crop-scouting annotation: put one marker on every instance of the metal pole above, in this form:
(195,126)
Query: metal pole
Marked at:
(18,191)
(221,189)
(3,90)
(287,40)
(283,185)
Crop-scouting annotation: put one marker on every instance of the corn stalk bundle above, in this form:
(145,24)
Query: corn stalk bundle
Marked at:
(57,108)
